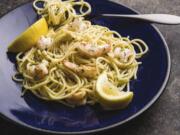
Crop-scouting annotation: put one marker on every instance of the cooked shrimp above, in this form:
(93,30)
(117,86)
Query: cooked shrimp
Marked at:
(31,69)
(117,52)
(77,25)
(78,98)
(122,54)
(44,42)
(84,70)
(93,50)
(38,71)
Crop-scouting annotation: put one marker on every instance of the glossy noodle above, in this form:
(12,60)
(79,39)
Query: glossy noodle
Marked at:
(65,64)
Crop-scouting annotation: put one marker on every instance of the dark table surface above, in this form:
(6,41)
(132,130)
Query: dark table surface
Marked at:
(163,118)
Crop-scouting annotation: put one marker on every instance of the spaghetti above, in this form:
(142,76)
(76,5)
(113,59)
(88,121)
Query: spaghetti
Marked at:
(65,64)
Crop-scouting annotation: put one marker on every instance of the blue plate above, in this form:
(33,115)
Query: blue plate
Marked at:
(51,117)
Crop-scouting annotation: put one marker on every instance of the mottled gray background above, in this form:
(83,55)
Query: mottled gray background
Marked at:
(163,118)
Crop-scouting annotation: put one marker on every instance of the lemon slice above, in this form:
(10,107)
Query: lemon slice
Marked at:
(29,38)
(109,96)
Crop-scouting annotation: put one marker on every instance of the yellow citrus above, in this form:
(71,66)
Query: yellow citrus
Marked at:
(29,38)
(109,96)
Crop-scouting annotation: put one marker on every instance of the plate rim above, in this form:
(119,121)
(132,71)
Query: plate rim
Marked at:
(146,107)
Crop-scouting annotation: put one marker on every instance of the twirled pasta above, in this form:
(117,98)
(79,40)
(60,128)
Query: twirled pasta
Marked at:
(79,53)
(58,12)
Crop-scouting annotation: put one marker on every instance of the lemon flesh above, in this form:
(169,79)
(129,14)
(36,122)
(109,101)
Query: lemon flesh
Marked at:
(30,37)
(109,96)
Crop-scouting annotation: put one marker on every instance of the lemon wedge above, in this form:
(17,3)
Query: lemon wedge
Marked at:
(109,96)
(29,38)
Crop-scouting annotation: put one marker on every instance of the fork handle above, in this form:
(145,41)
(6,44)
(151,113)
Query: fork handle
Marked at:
(152,18)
